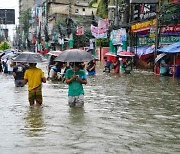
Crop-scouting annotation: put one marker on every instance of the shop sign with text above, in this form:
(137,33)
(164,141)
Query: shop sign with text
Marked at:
(170,29)
(143,26)
(163,40)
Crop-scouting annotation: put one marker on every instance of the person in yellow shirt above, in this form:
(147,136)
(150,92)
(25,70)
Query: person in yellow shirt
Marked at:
(34,76)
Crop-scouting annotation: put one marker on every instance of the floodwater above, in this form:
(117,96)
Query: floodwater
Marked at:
(137,113)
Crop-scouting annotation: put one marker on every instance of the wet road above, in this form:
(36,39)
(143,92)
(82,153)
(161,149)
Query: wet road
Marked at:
(137,113)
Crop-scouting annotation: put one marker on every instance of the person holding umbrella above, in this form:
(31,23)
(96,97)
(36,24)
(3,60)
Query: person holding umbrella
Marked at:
(75,77)
(34,77)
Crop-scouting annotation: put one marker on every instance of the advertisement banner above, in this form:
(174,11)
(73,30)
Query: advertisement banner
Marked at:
(138,27)
(80,30)
(162,40)
(170,30)
(99,32)
(103,22)
(152,32)
(118,36)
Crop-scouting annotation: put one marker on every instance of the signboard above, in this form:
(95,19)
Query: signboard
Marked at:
(142,26)
(118,36)
(7,16)
(99,32)
(144,1)
(80,30)
(175,30)
(143,12)
(175,1)
(152,32)
(162,40)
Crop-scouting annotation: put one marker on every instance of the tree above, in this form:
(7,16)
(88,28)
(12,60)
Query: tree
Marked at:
(24,20)
(170,14)
(4,45)
(102,7)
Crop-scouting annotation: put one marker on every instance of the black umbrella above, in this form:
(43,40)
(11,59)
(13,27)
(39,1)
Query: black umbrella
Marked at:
(74,55)
(28,57)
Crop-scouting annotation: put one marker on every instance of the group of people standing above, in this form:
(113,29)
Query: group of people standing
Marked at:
(120,65)
(57,70)
(73,74)
(6,65)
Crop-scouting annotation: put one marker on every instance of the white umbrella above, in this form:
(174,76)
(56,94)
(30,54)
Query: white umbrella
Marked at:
(54,53)
(159,57)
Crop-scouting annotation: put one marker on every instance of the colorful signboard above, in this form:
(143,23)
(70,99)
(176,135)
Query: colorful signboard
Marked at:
(175,1)
(80,30)
(163,40)
(170,30)
(118,36)
(142,26)
(99,32)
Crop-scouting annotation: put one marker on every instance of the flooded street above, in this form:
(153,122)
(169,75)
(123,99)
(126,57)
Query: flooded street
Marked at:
(137,113)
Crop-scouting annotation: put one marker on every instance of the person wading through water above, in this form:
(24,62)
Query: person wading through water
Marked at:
(75,77)
(34,76)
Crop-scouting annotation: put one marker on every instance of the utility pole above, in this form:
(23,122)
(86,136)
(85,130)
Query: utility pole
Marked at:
(5,20)
(69,20)
(158,10)
(116,20)
(70,8)
(46,28)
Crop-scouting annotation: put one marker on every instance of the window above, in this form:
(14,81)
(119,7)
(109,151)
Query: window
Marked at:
(76,10)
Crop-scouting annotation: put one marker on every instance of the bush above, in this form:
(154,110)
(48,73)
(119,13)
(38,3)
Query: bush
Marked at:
(4,45)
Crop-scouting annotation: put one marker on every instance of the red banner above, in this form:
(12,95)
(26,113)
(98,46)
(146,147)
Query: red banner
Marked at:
(175,1)
(170,29)
(80,30)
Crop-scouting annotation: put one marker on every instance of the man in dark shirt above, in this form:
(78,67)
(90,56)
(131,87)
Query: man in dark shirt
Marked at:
(18,73)
(1,68)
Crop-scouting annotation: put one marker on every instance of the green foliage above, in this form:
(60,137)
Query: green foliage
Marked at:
(82,40)
(102,9)
(4,45)
(61,21)
(170,14)
(102,42)
(79,41)
(92,2)
(25,17)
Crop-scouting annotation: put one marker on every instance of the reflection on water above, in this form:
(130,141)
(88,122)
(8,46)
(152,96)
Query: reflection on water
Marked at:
(34,121)
(76,116)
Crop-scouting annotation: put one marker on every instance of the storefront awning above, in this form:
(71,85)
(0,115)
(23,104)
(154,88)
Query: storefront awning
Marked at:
(144,50)
(173,48)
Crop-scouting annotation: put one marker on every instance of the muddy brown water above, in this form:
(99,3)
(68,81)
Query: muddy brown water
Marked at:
(136,113)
